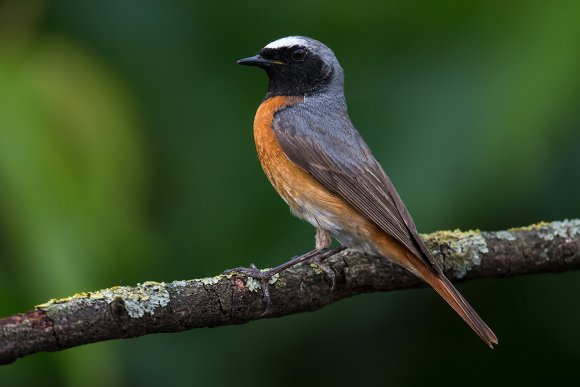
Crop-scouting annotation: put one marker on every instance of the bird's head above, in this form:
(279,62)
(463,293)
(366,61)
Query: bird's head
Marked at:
(297,65)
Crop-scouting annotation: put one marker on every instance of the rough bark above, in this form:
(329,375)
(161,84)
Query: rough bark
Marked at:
(152,307)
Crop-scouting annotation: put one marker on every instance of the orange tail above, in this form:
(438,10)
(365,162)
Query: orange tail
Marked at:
(452,296)
(427,272)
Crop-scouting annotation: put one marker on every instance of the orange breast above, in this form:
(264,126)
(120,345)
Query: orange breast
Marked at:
(290,181)
(310,200)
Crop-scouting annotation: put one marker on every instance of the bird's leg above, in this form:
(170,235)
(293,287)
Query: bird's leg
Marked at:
(319,254)
(323,241)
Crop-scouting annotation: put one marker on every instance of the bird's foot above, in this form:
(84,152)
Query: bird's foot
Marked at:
(318,261)
(263,276)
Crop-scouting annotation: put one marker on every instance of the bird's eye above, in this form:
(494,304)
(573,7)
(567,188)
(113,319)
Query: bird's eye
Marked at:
(298,54)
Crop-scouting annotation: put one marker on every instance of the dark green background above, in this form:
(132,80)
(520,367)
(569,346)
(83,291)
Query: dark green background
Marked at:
(126,154)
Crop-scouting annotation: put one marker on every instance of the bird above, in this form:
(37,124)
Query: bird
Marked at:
(323,169)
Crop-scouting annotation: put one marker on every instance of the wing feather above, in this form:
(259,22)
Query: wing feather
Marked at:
(333,152)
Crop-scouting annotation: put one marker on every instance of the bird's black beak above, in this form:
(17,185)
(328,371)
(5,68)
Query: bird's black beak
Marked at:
(258,61)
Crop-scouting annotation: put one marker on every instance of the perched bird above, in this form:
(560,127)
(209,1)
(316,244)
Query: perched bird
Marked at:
(320,165)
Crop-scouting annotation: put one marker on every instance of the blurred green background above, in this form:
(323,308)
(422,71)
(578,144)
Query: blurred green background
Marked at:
(126,154)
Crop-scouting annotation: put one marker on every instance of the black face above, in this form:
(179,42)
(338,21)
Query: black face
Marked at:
(292,70)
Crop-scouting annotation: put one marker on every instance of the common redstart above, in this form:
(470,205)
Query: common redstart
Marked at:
(320,165)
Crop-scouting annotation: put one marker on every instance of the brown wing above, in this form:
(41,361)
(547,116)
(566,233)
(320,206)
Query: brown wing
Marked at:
(332,151)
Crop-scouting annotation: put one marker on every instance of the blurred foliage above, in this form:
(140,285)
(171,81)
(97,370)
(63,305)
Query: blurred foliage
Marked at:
(126,154)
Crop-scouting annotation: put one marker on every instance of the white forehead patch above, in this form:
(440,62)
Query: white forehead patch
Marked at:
(287,42)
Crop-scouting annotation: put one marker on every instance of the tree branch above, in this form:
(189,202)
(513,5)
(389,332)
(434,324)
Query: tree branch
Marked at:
(152,307)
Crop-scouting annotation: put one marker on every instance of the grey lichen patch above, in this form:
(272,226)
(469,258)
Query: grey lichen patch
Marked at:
(458,251)
(210,280)
(504,235)
(274,279)
(566,229)
(138,300)
(253,284)
(180,286)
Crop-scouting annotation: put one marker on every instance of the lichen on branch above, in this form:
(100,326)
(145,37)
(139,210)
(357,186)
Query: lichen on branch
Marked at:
(153,307)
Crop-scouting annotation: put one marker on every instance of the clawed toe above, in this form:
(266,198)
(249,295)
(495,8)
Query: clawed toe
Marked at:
(257,274)
(327,270)
(319,261)
(317,256)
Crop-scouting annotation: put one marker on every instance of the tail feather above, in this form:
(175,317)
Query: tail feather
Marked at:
(426,269)
(452,296)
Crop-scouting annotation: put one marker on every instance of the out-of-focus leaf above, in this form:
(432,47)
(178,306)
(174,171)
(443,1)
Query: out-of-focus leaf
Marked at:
(72,181)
